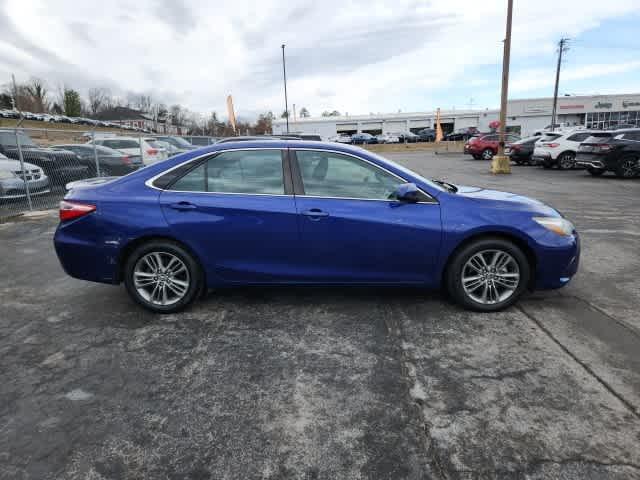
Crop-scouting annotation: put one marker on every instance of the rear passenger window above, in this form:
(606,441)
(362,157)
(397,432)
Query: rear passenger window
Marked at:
(243,171)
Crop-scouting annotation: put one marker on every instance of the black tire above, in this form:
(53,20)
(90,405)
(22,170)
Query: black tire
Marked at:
(487,154)
(454,272)
(596,172)
(546,165)
(476,156)
(518,161)
(196,284)
(628,167)
(566,161)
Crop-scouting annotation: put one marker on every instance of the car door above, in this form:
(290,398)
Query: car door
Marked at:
(237,211)
(351,231)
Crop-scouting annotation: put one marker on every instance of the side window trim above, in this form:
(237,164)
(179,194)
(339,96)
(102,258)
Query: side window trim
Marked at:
(299,184)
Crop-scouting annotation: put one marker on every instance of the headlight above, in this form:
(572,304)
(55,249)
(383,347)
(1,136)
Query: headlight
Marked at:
(5,174)
(558,225)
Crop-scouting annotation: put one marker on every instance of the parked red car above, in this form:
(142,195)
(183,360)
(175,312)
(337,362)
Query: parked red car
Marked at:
(485,145)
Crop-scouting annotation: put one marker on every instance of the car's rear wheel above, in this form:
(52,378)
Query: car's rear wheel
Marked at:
(488,275)
(546,165)
(487,154)
(596,172)
(566,161)
(163,276)
(628,167)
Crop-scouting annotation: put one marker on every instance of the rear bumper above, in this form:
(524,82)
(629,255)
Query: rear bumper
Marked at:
(590,161)
(541,157)
(82,252)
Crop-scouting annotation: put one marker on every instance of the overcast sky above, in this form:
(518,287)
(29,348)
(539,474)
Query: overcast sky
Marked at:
(353,56)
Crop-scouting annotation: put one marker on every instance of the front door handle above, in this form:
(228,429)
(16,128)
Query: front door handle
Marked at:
(183,206)
(315,214)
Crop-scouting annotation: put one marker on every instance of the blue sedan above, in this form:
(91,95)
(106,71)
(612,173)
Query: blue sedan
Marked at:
(292,212)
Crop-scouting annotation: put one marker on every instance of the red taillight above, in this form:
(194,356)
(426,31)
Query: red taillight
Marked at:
(126,159)
(602,147)
(551,145)
(152,151)
(71,210)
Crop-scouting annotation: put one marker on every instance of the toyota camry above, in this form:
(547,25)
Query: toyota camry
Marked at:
(296,212)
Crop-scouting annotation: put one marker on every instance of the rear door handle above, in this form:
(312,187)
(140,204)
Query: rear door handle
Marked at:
(315,214)
(183,206)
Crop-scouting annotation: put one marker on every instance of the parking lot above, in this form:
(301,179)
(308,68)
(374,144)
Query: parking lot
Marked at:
(331,383)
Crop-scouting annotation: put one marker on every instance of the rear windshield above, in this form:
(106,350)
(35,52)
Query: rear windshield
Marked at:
(598,137)
(550,136)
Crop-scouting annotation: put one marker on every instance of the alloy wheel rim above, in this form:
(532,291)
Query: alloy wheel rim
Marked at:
(490,276)
(486,154)
(629,168)
(161,278)
(566,161)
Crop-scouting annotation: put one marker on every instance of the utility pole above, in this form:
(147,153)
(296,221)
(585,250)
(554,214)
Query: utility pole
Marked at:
(562,47)
(502,164)
(286,102)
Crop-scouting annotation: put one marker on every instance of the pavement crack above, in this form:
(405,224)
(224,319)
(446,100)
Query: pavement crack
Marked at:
(418,396)
(598,309)
(501,376)
(584,365)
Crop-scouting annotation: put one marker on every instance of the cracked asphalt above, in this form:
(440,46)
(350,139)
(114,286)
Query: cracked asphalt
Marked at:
(321,383)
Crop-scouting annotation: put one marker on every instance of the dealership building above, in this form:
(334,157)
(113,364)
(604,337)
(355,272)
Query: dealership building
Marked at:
(524,116)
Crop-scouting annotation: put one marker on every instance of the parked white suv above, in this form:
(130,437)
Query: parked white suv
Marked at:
(131,146)
(559,148)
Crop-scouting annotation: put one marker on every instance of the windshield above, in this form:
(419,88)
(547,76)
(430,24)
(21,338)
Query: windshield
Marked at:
(9,139)
(431,183)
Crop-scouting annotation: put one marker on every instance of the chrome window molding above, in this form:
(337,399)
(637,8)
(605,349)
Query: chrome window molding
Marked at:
(149,182)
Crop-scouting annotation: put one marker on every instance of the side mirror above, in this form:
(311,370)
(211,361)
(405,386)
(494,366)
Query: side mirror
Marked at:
(407,192)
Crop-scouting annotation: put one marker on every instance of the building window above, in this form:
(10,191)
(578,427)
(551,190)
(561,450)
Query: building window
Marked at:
(606,120)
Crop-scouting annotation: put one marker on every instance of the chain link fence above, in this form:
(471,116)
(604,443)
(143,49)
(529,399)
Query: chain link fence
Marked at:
(36,164)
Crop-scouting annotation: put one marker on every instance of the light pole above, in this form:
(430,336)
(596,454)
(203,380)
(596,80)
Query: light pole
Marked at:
(286,102)
(501,164)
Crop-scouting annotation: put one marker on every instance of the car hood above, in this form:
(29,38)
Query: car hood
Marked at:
(498,197)
(14,165)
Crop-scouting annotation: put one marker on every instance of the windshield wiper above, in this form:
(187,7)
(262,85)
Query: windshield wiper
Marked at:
(448,186)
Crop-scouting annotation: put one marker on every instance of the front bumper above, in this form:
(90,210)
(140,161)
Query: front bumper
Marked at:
(15,187)
(557,265)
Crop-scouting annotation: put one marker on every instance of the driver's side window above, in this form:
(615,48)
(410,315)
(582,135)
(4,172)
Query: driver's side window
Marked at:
(326,174)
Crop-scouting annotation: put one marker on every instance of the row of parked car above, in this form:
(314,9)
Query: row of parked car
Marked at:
(45,117)
(56,165)
(424,135)
(598,151)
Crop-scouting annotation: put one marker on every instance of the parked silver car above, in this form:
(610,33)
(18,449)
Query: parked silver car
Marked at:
(12,184)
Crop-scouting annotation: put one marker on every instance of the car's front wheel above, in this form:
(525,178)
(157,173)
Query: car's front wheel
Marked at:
(162,276)
(487,154)
(488,275)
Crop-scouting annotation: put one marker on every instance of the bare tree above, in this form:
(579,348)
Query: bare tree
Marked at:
(99,99)
(37,92)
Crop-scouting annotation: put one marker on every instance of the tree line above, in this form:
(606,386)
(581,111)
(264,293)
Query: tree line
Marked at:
(35,96)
